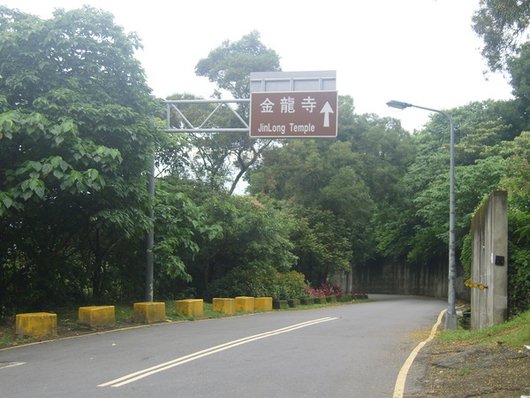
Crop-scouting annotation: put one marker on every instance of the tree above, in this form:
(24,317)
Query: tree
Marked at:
(252,235)
(485,154)
(74,128)
(321,179)
(229,66)
(182,231)
(520,70)
(515,181)
(501,24)
(323,244)
(423,218)
(383,151)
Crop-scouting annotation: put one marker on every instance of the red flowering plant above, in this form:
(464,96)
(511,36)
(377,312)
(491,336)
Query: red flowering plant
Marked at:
(325,290)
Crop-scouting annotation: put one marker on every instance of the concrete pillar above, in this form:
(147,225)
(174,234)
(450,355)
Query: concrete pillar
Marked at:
(489,270)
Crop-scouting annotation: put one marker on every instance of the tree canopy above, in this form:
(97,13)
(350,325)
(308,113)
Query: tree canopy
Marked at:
(229,65)
(502,25)
(78,130)
(74,131)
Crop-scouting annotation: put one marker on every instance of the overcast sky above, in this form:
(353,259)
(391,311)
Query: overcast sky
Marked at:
(419,51)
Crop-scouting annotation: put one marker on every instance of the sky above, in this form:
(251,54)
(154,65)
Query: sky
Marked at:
(419,51)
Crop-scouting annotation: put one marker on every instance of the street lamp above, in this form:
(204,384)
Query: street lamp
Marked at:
(450,318)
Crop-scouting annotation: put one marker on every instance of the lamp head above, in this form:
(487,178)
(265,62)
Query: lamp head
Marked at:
(398,104)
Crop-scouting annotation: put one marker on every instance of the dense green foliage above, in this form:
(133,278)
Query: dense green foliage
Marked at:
(229,67)
(333,189)
(502,25)
(517,182)
(77,135)
(74,119)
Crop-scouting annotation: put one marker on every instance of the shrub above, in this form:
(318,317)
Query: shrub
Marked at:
(307,300)
(259,282)
(325,290)
(346,298)
(293,302)
(280,304)
(292,283)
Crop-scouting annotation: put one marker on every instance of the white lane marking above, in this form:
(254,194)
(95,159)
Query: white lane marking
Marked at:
(399,387)
(4,365)
(121,381)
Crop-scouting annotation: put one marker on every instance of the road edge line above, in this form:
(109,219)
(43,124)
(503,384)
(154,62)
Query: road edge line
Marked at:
(399,387)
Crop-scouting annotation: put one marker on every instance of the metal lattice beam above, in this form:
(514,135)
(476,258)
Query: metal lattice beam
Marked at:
(186,125)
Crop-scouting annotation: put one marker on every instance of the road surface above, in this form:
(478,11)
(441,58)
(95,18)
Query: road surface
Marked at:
(352,350)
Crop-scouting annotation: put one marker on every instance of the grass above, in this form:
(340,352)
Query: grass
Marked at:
(463,372)
(67,324)
(513,333)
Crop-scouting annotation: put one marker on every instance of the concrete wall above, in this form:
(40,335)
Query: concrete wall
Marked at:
(489,269)
(396,278)
(490,246)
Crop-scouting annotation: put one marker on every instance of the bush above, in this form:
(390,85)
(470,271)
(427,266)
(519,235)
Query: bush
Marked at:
(346,298)
(259,282)
(292,284)
(293,302)
(307,300)
(519,280)
(280,304)
(325,290)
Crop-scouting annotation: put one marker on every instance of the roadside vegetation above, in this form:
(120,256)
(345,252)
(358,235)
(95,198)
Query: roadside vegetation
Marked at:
(79,127)
(515,333)
(68,325)
(490,362)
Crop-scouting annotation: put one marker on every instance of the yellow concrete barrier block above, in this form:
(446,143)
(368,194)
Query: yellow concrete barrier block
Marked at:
(97,316)
(190,307)
(244,304)
(263,304)
(224,305)
(38,324)
(149,312)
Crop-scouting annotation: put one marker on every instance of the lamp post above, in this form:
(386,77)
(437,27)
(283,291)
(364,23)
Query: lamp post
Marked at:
(150,238)
(450,318)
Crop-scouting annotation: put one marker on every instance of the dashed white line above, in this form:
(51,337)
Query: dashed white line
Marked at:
(4,365)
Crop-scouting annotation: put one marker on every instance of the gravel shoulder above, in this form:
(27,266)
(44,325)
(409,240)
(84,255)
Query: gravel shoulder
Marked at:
(462,369)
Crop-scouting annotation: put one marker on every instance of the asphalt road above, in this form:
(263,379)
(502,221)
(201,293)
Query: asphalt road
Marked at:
(342,351)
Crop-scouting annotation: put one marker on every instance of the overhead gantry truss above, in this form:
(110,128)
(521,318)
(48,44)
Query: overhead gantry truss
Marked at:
(179,120)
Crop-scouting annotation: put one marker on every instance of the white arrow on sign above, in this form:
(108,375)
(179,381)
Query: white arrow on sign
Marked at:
(326,110)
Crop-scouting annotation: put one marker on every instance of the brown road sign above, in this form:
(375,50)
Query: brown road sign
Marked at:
(298,114)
